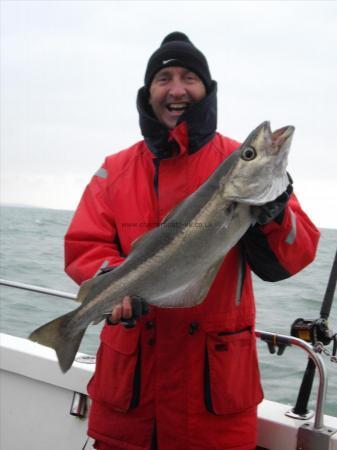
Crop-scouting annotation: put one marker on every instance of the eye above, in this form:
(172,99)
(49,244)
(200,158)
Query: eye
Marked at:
(162,79)
(190,76)
(248,154)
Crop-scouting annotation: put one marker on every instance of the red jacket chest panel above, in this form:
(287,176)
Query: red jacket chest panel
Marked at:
(145,192)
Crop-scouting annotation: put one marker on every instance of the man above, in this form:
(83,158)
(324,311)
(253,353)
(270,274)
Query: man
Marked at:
(180,378)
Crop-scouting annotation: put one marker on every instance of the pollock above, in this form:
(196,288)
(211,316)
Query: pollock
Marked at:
(174,264)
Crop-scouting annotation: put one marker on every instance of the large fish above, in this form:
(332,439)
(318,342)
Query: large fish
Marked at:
(174,264)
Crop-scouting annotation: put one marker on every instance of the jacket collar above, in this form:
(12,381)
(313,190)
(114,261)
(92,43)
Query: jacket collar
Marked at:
(194,129)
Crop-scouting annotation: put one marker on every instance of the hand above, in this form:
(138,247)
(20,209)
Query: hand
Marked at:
(128,311)
(121,311)
(274,210)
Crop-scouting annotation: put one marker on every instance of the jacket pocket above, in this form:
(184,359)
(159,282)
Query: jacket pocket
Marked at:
(116,380)
(232,378)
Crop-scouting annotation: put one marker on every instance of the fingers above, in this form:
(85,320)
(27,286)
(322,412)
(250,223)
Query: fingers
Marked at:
(121,311)
(126,308)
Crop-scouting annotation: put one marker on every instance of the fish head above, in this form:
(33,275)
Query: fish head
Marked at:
(259,173)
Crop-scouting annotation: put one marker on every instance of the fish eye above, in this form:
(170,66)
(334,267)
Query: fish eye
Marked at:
(248,154)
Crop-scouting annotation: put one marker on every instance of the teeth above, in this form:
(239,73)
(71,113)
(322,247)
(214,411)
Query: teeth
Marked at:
(177,106)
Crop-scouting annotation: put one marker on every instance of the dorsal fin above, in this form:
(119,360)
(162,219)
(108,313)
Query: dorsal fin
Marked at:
(144,236)
(170,214)
(137,241)
(84,290)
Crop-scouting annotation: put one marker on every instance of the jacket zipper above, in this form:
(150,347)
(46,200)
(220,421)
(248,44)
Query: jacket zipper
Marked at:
(156,163)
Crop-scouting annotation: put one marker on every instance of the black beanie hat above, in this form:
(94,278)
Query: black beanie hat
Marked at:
(177,50)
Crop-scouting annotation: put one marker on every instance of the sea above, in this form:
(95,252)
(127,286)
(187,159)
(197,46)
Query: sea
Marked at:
(31,251)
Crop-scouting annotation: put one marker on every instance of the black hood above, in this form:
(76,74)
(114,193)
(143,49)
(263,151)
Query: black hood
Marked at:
(201,120)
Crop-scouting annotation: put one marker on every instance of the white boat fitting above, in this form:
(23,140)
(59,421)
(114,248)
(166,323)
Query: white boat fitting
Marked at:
(43,408)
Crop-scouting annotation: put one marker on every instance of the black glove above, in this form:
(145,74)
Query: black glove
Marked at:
(274,210)
(139,308)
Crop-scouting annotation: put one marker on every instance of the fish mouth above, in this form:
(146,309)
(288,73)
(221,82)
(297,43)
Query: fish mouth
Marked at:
(263,128)
(261,134)
(280,136)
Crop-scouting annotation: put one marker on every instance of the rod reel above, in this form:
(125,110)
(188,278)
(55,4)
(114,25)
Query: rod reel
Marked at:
(318,333)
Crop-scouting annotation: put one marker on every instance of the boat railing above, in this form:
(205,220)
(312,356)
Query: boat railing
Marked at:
(38,289)
(281,341)
(272,339)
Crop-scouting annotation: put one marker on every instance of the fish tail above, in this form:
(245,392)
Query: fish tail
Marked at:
(54,334)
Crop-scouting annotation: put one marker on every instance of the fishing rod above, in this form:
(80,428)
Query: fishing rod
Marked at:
(318,333)
(330,290)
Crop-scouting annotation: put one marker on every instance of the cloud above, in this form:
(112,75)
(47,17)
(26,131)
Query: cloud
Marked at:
(71,70)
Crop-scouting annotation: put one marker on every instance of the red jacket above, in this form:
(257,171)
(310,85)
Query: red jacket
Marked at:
(190,374)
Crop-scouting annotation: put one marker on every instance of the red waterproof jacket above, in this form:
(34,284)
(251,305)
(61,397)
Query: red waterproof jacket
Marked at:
(189,375)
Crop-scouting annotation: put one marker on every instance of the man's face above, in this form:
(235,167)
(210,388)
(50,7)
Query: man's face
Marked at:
(172,91)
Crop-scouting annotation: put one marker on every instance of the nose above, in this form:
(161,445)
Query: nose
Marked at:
(177,88)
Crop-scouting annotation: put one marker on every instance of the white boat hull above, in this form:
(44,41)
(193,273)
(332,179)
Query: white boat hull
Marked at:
(36,399)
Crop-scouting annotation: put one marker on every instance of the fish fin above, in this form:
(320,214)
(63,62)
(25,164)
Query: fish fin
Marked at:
(97,321)
(148,235)
(229,216)
(192,294)
(202,284)
(144,239)
(53,335)
(84,290)
(135,242)
(170,214)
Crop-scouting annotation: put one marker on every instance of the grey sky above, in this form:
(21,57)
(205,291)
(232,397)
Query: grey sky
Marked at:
(70,71)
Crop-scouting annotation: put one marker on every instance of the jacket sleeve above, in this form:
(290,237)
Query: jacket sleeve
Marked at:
(277,251)
(91,242)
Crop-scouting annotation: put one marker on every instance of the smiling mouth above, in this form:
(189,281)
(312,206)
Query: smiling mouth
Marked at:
(177,107)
